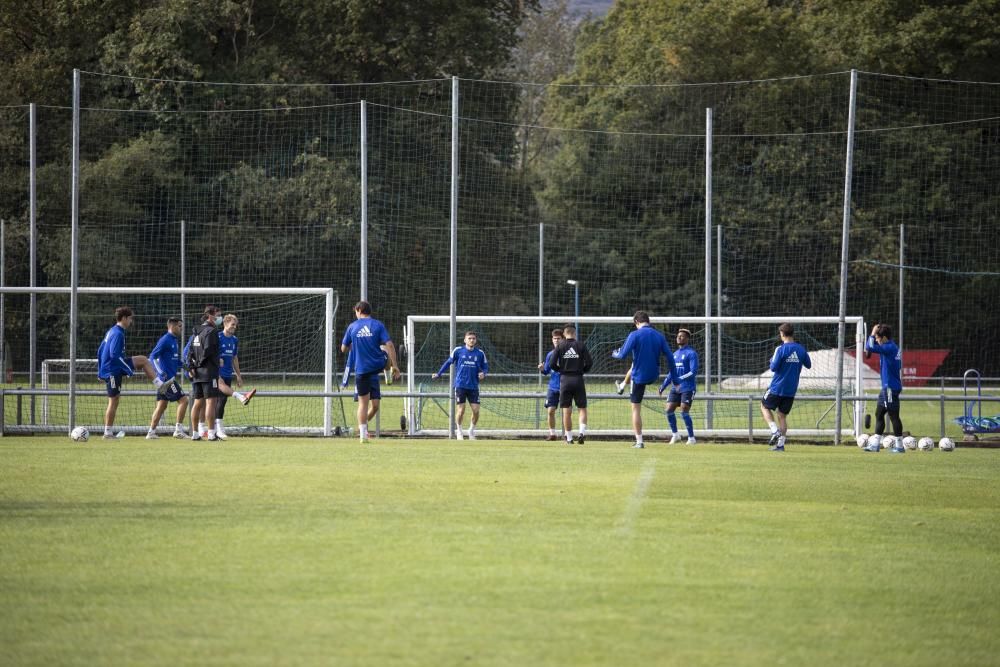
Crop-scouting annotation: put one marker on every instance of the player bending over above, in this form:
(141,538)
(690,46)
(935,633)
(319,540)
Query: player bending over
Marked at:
(166,359)
(470,368)
(113,365)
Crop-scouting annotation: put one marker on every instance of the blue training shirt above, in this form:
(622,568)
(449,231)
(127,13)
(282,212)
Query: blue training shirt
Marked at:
(646,344)
(111,358)
(787,363)
(548,370)
(366,336)
(166,357)
(228,349)
(891,362)
(686,367)
(468,365)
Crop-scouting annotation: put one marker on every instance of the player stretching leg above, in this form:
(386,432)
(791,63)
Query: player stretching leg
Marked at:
(113,365)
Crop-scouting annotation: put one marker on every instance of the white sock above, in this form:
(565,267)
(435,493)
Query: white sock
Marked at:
(152,430)
(218,424)
(211,432)
(569,436)
(583,429)
(179,427)
(238,396)
(773,427)
(781,441)
(638,440)
(364,430)
(472,429)
(552,431)
(201,427)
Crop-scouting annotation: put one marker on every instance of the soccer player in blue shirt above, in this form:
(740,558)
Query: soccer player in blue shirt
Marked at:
(890,368)
(646,345)
(470,368)
(166,359)
(113,365)
(368,341)
(552,395)
(686,365)
(786,363)
(229,368)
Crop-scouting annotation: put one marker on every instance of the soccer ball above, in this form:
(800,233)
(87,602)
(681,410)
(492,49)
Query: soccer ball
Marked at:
(925,444)
(947,445)
(862,440)
(80,434)
(889,441)
(909,442)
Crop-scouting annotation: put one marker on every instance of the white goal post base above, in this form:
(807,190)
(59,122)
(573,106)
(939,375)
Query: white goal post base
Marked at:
(840,376)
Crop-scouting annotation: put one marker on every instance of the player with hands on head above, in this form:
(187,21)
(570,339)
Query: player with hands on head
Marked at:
(470,367)
(890,369)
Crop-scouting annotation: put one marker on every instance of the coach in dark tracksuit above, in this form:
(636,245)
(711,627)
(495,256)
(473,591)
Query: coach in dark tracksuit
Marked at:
(572,359)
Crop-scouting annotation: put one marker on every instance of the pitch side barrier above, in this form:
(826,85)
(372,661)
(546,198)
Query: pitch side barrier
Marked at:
(848,372)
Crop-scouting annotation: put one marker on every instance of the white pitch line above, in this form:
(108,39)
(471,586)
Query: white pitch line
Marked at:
(626,523)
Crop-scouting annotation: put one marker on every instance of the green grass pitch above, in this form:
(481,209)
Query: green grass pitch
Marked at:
(428,552)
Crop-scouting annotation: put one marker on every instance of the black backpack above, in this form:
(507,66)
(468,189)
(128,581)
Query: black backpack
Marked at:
(200,342)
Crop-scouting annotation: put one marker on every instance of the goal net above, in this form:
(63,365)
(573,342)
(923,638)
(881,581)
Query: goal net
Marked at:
(286,352)
(733,375)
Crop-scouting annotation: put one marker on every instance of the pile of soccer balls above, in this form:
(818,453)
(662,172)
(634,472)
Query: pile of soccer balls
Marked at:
(875,443)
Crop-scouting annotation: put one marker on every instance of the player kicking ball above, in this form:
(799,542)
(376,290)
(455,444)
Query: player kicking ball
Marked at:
(166,359)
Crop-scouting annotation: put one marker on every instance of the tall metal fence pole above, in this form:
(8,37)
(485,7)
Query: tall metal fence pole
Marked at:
(453,271)
(844,252)
(364,201)
(183,250)
(718,301)
(902,291)
(708,262)
(74,280)
(541,311)
(32,255)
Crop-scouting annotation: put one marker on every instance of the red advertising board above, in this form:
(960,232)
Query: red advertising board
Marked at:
(918,365)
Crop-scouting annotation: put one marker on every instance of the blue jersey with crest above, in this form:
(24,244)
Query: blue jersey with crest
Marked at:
(166,357)
(786,364)
(468,365)
(891,362)
(646,344)
(228,349)
(111,358)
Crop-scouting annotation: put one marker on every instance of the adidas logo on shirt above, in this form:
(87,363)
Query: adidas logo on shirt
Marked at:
(793,358)
(571,354)
(364,332)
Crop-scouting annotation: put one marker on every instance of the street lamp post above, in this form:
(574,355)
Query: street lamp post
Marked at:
(576,303)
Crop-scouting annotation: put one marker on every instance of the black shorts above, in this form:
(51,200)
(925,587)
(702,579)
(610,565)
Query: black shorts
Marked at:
(462,395)
(572,389)
(170,391)
(367,385)
(889,399)
(680,397)
(208,389)
(113,385)
(638,391)
(782,403)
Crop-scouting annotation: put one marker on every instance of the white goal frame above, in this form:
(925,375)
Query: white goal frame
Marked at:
(331,300)
(410,408)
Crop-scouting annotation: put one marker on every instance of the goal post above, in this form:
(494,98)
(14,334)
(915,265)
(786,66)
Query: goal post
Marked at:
(287,347)
(725,403)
